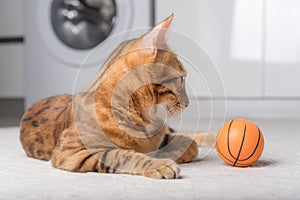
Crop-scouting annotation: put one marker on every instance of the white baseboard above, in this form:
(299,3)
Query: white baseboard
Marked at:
(244,108)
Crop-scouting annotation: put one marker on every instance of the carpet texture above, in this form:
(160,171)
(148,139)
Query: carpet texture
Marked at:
(275,176)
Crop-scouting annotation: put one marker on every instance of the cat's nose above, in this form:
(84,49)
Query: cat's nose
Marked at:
(185,103)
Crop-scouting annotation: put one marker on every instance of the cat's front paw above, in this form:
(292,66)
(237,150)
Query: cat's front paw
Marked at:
(190,154)
(163,169)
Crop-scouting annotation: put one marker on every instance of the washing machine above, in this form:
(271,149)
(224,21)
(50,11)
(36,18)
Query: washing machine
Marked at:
(60,34)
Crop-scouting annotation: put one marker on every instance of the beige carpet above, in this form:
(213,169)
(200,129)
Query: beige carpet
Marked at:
(275,176)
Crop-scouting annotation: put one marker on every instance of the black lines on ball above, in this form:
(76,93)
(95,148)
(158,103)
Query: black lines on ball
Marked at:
(228,139)
(240,150)
(258,141)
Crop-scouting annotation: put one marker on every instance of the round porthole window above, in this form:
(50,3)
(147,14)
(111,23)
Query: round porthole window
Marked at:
(83,24)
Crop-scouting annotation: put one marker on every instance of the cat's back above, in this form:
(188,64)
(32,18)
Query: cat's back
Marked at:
(41,123)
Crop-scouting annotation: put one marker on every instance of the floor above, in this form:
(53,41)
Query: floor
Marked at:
(275,176)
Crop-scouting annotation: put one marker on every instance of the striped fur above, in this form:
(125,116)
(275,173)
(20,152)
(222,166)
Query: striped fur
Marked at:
(108,127)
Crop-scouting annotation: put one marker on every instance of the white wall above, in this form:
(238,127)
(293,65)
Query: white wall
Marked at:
(255,45)
(11,53)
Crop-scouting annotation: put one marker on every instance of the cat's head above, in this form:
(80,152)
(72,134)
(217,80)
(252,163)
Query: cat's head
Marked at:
(145,73)
(165,71)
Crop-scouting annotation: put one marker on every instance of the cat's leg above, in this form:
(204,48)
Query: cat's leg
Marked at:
(71,155)
(183,147)
(180,148)
(202,139)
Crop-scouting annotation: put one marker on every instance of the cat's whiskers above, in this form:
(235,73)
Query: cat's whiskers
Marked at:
(175,109)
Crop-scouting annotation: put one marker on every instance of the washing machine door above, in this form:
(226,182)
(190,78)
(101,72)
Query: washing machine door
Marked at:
(70,29)
(83,24)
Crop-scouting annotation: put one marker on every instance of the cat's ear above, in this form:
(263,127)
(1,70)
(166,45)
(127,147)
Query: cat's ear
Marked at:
(156,37)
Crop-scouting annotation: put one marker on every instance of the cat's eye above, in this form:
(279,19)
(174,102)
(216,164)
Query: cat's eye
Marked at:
(181,79)
(181,84)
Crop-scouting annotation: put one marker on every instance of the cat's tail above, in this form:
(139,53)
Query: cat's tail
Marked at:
(202,139)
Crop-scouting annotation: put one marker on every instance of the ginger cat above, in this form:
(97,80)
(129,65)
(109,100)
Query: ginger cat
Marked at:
(116,124)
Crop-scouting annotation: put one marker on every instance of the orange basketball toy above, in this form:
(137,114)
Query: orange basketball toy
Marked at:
(240,143)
